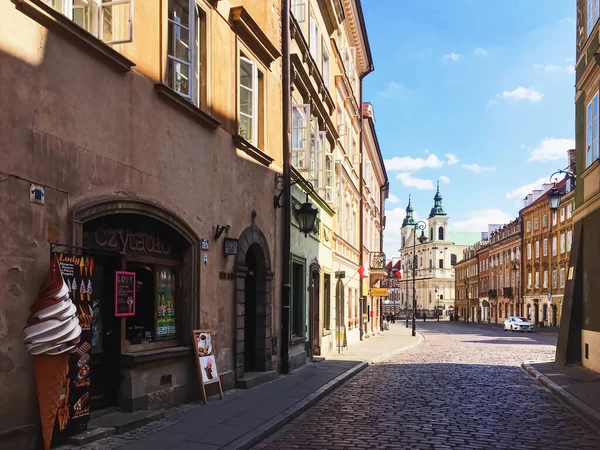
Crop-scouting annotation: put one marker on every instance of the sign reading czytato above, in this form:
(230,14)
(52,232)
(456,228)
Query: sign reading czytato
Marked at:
(127,241)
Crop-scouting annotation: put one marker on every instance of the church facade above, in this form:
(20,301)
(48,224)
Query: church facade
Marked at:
(434,260)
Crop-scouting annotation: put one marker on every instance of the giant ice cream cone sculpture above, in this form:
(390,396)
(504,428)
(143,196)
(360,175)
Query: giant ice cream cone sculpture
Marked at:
(52,333)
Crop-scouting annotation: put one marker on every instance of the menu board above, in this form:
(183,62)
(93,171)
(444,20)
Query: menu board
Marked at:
(205,360)
(125,294)
(74,411)
(165,303)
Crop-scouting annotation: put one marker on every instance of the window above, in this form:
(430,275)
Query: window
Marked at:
(537,280)
(554,279)
(441,263)
(368,173)
(529,251)
(592,14)
(529,226)
(545,285)
(591,152)
(441,233)
(536,224)
(554,216)
(299,10)
(545,247)
(569,210)
(110,21)
(327,181)
(300,140)
(554,246)
(298,293)
(562,214)
(537,249)
(325,64)
(453,259)
(313,39)
(569,240)
(562,243)
(327,302)
(430,264)
(562,277)
(180,57)
(249,112)
(529,280)
(313,155)
(545,221)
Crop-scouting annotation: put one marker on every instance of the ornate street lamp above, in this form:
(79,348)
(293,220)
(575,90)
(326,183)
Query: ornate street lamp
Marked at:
(555,194)
(420,225)
(306,216)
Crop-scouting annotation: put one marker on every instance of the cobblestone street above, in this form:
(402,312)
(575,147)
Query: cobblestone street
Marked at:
(460,389)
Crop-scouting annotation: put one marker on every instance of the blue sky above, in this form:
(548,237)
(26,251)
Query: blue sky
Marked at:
(488,82)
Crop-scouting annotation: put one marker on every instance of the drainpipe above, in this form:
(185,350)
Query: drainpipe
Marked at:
(286,245)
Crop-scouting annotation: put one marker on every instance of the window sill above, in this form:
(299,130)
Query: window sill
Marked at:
(252,151)
(298,339)
(132,359)
(55,21)
(201,117)
(326,333)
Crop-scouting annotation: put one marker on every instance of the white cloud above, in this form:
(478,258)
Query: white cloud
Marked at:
(444,178)
(520,192)
(396,91)
(477,168)
(479,52)
(410,181)
(452,159)
(551,149)
(479,220)
(570,59)
(518,94)
(522,146)
(393,199)
(569,68)
(410,164)
(451,57)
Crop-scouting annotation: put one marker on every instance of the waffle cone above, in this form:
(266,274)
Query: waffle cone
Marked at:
(50,374)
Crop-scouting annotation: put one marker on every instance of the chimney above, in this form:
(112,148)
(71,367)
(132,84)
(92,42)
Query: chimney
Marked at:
(536,194)
(547,186)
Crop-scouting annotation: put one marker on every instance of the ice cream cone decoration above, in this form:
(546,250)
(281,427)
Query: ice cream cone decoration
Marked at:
(82,290)
(52,333)
(81,266)
(88,290)
(91,267)
(87,266)
(74,286)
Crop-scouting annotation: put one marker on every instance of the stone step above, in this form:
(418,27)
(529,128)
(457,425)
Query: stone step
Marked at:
(253,379)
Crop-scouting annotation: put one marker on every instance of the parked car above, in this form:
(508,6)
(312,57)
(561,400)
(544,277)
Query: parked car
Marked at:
(517,324)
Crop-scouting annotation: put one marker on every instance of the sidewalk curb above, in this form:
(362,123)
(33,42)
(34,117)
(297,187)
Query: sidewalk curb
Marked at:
(581,407)
(257,435)
(381,358)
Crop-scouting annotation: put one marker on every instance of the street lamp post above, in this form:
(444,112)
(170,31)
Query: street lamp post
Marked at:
(515,268)
(437,305)
(468,298)
(420,225)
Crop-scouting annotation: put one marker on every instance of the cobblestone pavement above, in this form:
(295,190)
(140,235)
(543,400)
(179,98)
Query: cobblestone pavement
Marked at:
(461,389)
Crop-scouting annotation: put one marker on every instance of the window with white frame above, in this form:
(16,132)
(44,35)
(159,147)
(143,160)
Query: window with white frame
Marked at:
(545,247)
(537,279)
(529,226)
(536,223)
(313,39)
(569,240)
(562,243)
(109,20)
(562,277)
(299,10)
(537,249)
(554,216)
(368,173)
(249,100)
(591,151)
(529,250)
(545,280)
(300,136)
(545,221)
(554,246)
(569,210)
(328,170)
(593,7)
(529,280)
(325,64)
(554,279)
(562,214)
(313,153)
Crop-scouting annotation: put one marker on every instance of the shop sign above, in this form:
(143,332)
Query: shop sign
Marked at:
(365,288)
(124,240)
(74,410)
(379,292)
(125,294)
(340,274)
(230,247)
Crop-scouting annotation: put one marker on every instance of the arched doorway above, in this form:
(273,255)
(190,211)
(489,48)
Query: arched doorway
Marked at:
(155,244)
(315,318)
(254,343)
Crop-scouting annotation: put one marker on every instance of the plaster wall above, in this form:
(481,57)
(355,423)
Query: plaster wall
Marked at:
(82,130)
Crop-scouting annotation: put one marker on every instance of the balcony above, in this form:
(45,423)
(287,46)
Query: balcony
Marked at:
(493,293)
(377,270)
(508,292)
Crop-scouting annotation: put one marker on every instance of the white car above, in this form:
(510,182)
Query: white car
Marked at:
(517,324)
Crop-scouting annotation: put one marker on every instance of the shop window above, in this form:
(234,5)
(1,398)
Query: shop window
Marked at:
(110,21)
(186,50)
(327,302)
(250,102)
(298,294)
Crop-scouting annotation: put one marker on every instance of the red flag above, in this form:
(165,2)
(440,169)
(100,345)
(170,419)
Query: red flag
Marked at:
(361,272)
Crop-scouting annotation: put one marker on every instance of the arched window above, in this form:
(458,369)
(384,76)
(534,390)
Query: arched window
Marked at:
(431,234)
(452,259)
(403,241)
(441,233)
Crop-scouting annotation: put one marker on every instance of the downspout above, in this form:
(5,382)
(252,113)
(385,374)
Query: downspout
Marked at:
(286,114)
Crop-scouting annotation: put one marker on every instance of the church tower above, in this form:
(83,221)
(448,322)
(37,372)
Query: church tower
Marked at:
(438,220)
(407,224)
